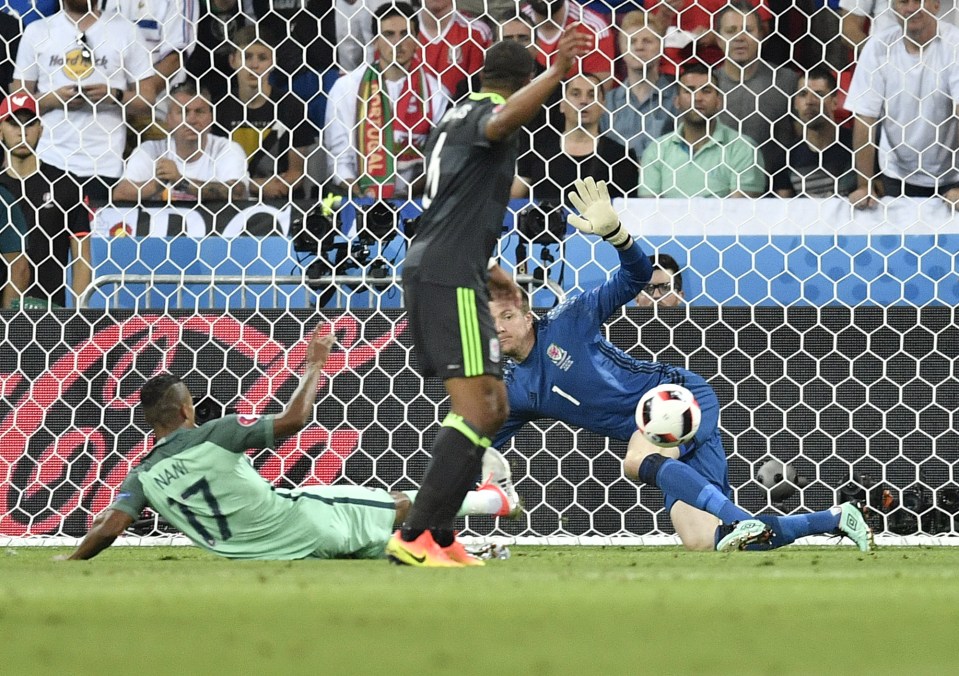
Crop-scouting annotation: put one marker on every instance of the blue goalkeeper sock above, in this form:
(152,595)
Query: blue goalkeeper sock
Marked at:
(788,529)
(680,481)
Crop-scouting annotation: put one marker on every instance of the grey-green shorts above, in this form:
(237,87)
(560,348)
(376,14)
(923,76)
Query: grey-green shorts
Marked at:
(352,522)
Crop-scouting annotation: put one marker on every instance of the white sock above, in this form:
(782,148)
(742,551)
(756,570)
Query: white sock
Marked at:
(476,503)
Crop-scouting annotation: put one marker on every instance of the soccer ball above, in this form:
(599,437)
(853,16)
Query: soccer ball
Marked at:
(781,479)
(668,415)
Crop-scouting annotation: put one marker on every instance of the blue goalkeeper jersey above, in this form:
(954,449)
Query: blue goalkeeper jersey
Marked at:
(574,374)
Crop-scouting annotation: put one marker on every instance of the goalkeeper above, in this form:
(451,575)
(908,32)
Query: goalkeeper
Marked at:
(200,480)
(561,367)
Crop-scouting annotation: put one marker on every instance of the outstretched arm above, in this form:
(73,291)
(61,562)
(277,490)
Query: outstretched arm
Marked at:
(598,217)
(523,105)
(107,525)
(299,409)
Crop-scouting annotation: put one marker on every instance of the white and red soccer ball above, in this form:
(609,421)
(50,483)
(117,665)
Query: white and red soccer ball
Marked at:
(668,415)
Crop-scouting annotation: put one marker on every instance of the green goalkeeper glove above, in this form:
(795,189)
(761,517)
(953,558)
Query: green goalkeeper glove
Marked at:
(597,216)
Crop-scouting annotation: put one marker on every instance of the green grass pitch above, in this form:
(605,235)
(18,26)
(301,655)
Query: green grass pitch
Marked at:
(547,610)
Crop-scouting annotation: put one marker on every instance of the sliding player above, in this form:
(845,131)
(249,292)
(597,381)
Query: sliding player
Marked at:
(200,480)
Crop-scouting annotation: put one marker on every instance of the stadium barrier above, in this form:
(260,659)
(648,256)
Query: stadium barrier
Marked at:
(734,253)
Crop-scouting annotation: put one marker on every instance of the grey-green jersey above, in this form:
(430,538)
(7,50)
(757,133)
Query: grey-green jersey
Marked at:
(200,481)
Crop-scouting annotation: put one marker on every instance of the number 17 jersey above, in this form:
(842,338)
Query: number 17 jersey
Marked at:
(468,179)
(200,481)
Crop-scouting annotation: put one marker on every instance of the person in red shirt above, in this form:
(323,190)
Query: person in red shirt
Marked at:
(687,27)
(550,18)
(453,46)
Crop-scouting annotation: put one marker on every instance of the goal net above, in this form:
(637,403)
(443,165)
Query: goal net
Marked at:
(828,332)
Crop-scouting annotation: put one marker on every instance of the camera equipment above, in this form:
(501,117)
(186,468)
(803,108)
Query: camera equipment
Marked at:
(313,231)
(376,222)
(543,223)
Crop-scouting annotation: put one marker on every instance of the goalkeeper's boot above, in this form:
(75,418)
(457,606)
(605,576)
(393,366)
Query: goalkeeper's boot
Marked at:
(498,477)
(738,535)
(852,524)
(457,552)
(423,552)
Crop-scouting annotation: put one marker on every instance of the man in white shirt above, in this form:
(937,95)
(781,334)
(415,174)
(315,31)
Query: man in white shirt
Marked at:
(85,69)
(907,83)
(881,16)
(378,153)
(168,28)
(191,164)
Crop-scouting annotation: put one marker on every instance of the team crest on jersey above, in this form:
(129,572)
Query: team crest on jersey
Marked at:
(559,356)
(247,420)
(494,353)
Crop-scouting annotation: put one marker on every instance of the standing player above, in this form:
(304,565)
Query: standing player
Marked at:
(563,368)
(448,284)
(200,480)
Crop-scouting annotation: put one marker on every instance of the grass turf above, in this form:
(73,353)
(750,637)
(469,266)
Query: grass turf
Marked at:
(548,610)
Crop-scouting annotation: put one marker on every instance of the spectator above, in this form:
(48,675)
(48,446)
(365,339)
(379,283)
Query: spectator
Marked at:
(354,34)
(643,108)
(556,161)
(84,69)
(703,157)
(209,64)
(517,27)
(820,162)
(513,26)
(305,31)
(380,115)
(907,85)
(191,164)
(50,243)
(13,238)
(861,18)
(757,96)
(453,47)
(167,28)
(687,27)
(271,126)
(550,17)
(9,43)
(665,287)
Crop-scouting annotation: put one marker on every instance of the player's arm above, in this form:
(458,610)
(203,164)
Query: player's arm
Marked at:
(107,526)
(524,104)
(299,409)
(598,217)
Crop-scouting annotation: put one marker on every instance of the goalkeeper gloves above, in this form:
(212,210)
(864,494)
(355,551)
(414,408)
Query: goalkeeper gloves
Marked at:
(597,216)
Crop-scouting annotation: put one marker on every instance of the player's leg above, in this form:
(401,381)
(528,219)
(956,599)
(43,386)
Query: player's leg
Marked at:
(496,496)
(478,408)
(847,519)
(696,528)
(681,480)
(661,467)
(456,340)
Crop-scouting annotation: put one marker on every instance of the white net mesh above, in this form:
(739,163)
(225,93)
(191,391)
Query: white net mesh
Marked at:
(203,178)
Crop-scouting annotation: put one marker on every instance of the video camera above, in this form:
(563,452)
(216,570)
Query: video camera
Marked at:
(542,223)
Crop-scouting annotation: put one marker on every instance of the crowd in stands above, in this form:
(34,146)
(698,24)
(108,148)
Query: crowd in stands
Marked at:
(212,100)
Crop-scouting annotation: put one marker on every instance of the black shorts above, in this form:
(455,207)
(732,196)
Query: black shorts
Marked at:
(452,329)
